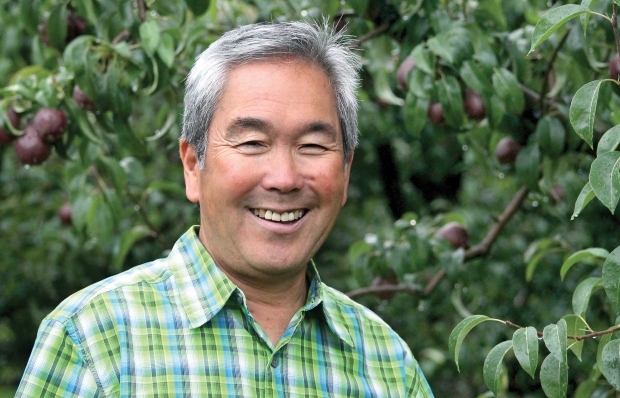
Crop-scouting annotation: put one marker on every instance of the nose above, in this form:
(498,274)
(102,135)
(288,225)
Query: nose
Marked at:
(282,173)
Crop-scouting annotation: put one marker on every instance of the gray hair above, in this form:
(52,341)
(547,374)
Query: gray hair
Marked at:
(316,43)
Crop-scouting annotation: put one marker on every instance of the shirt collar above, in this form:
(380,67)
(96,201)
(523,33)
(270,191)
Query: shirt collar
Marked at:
(204,288)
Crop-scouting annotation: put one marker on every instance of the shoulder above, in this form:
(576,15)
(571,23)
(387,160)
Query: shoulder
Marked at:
(145,276)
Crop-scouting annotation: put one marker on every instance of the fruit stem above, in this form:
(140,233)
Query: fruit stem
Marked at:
(141,10)
(545,87)
(369,35)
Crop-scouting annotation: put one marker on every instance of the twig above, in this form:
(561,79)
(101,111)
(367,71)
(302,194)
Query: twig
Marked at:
(369,35)
(614,23)
(141,10)
(124,35)
(147,221)
(576,338)
(549,68)
(473,252)
(385,289)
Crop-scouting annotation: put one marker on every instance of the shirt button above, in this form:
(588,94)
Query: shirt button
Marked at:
(274,363)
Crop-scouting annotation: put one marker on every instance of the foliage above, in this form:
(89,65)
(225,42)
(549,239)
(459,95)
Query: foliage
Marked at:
(542,75)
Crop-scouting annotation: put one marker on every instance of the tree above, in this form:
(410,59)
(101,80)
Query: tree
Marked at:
(476,75)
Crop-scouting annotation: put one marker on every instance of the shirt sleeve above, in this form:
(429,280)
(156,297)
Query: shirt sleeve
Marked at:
(56,366)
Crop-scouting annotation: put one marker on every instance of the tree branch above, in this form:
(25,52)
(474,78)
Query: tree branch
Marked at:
(576,338)
(369,35)
(121,37)
(476,251)
(141,10)
(614,22)
(549,68)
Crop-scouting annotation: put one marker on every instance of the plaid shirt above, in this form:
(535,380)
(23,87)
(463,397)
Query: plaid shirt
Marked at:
(179,327)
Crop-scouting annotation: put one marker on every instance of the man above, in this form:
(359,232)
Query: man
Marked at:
(237,309)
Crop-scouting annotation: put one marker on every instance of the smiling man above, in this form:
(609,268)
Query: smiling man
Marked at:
(237,308)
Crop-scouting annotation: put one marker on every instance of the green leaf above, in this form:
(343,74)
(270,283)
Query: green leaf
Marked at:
(167,186)
(79,209)
(166,50)
(555,340)
(127,240)
(358,249)
(420,83)
(359,6)
(56,27)
(381,80)
(611,278)
(585,18)
(475,77)
(100,219)
(459,333)
(583,110)
(29,14)
(199,7)
(439,46)
(551,136)
(585,196)
(150,36)
(492,369)
(582,294)
(527,166)
(611,363)
(415,111)
(552,20)
(605,179)
(525,344)
(606,338)
(112,168)
(575,326)
(586,388)
(451,98)
(533,263)
(593,252)
(421,59)
(609,141)
(509,91)
(554,377)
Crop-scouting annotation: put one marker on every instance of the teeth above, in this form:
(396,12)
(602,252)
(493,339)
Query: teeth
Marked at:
(280,217)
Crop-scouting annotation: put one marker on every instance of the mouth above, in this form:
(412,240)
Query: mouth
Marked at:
(287,217)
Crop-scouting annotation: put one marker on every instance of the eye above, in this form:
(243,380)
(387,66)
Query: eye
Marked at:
(251,146)
(313,148)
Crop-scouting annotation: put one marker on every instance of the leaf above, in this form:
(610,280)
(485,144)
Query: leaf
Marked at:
(531,265)
(56,27)
(415,111)
(583,110)
(585,18)
(585,196)
(606,338)
(611,277)
(359,6)
(451,98)
(609,141)
(611,363)
(553,19)
(439,46)
(167,186)
(381,80)
(554,377)
(582,293)
(509,91)
(605,179)
(459,333)
(127,240)
(551,133)
(525,344)
(198,7)
(527,166)
(150,36)
(492,369)
(421,59)
(100,220)
(114,171)
(586,388)
(575,326)
(555,339)
(474,76)
(166,50)
(593,252)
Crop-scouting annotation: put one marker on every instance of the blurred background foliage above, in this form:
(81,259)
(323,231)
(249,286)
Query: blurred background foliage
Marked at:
(118,167)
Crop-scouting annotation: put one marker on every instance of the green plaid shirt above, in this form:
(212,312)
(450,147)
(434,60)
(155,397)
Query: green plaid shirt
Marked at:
(179,327)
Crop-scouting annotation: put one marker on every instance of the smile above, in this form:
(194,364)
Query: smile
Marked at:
(289,216)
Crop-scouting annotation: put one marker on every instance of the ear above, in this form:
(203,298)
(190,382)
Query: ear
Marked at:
(347,174)
(191,171)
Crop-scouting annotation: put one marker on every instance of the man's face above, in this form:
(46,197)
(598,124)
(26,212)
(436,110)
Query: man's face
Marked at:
(274,149)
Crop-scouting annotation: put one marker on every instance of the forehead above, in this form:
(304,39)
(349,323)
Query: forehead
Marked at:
(290,87)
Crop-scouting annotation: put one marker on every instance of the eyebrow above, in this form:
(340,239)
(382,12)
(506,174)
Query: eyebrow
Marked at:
(241,124)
